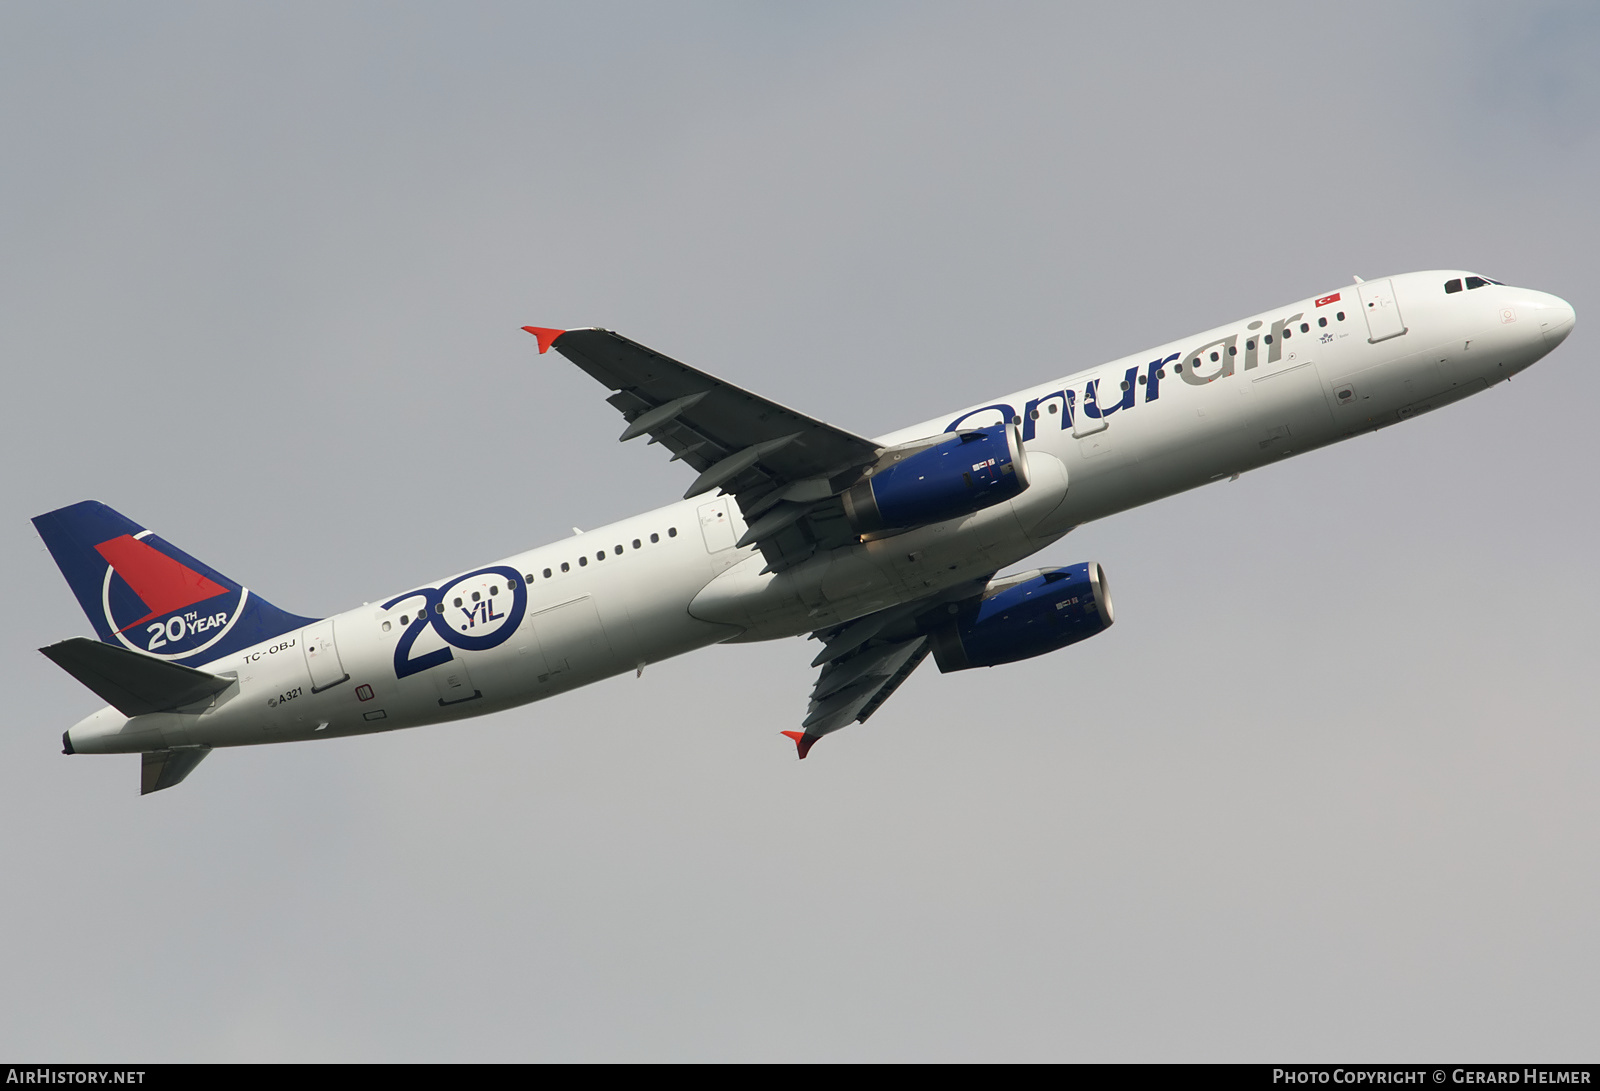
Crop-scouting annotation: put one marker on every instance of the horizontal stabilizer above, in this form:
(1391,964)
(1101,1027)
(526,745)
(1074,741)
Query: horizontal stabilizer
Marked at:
(160,769)
(133,684)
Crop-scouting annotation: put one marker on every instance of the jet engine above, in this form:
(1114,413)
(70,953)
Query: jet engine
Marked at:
(1022,616)
(954,474)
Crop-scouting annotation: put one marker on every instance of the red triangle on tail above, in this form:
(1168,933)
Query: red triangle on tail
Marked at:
(161,583)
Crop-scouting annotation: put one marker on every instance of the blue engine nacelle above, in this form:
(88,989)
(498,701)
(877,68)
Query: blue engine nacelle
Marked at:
(955,474)
(1024,616)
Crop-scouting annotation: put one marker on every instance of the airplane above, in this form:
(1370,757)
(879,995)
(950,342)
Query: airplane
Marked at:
(885,550)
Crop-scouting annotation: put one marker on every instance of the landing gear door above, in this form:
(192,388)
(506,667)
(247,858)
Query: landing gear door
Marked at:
(1382,309)
(322,656)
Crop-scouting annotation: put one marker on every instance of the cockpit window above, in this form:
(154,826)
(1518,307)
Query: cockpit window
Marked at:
(1476,282)
(1452,286)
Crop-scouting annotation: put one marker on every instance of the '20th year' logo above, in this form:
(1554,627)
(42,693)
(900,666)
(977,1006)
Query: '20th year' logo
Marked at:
(473,624)
(156,604)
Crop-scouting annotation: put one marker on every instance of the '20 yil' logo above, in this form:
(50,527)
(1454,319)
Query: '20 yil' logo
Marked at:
(475,626)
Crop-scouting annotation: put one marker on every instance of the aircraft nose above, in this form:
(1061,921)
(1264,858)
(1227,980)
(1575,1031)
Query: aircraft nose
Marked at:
(1556,319)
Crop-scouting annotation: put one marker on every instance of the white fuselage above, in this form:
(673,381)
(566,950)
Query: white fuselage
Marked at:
(671,580)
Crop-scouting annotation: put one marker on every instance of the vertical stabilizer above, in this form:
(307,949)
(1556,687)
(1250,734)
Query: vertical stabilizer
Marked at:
(142,593)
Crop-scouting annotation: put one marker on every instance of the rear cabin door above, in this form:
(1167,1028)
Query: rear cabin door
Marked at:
(322,656)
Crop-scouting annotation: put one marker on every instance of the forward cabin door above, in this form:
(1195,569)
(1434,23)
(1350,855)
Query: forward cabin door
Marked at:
(322,656)
(1378,303)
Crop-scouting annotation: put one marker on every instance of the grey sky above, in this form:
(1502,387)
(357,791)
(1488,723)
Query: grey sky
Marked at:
(1326,791)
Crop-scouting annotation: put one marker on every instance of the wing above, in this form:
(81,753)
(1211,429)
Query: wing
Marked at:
(784,468)
(849,690)
(864,661)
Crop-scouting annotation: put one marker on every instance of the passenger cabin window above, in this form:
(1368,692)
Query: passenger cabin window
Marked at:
(547,571)
(1452,286)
